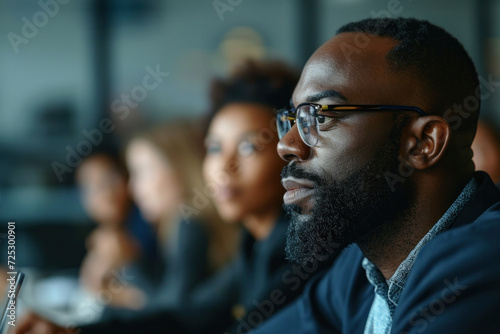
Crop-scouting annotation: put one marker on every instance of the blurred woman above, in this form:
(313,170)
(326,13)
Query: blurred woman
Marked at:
(241,145)
(121,236)
(165,179)
(242,172)
(486,147)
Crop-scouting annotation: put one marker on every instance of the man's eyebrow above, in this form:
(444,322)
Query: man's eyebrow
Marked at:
(326,94)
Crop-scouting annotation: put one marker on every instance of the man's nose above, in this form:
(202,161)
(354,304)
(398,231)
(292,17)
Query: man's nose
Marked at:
(292,148)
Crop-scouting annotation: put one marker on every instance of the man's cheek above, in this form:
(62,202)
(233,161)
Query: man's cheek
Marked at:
(335,167)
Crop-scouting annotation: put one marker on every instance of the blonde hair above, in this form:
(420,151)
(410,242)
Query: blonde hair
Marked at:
(180,143)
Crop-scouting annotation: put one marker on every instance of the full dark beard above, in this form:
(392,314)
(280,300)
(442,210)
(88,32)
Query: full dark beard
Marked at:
(346,211)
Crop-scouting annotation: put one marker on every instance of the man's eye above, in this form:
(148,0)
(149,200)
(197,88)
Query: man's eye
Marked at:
(322,119)
(329,118)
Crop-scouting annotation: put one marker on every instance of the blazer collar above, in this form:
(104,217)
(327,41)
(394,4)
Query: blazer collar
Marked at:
(486,196)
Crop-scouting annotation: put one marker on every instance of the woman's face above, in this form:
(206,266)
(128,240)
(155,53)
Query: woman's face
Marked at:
(242,162)
(153,182)
(486,152)
(104,190)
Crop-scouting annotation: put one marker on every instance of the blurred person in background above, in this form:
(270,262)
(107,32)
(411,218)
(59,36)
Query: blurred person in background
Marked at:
(121,237)
(166,181)
(241,163)
(165,177)
(486,148)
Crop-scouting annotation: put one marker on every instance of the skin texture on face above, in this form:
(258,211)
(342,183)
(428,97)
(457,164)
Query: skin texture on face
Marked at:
(104,190)
(352,139)
(242,163)
(153,183)
(345,211)
(337,190)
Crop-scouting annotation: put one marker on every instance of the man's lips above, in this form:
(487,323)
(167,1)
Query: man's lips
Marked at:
(297,190)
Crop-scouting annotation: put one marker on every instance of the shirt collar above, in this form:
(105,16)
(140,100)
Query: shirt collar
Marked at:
(391,290)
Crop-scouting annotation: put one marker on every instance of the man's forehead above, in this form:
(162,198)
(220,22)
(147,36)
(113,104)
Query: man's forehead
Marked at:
(356,43)
(344,61)
(319,76)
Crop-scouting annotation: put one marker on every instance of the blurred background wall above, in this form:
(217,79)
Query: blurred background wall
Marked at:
(67,66)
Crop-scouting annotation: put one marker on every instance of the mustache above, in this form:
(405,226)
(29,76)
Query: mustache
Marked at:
(292,170)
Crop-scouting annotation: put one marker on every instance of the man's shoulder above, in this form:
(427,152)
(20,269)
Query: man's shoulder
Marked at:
(476,232)
(461,250)
(455,277)
(469,239)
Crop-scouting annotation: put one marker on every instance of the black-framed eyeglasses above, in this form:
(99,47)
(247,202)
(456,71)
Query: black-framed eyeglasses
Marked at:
(309,116)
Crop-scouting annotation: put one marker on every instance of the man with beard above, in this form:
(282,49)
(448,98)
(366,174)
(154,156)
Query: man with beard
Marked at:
(380,168)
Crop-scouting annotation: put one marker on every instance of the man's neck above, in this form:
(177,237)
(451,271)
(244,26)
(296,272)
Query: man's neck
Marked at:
(391,243)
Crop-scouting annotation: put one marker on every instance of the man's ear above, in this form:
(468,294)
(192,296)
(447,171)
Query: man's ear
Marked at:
(424,141)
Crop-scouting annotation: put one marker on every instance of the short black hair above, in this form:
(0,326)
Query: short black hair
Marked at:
(435,58)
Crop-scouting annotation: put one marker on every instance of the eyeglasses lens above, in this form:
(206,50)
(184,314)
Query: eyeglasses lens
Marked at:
(307,124)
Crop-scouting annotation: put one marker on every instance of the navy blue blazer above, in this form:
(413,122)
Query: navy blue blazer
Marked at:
(454,286)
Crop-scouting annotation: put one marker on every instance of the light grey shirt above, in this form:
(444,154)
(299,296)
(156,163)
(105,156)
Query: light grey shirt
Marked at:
(387,292)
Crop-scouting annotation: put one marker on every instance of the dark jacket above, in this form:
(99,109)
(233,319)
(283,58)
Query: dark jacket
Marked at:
(454,286)
(169,278)
(252,288)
